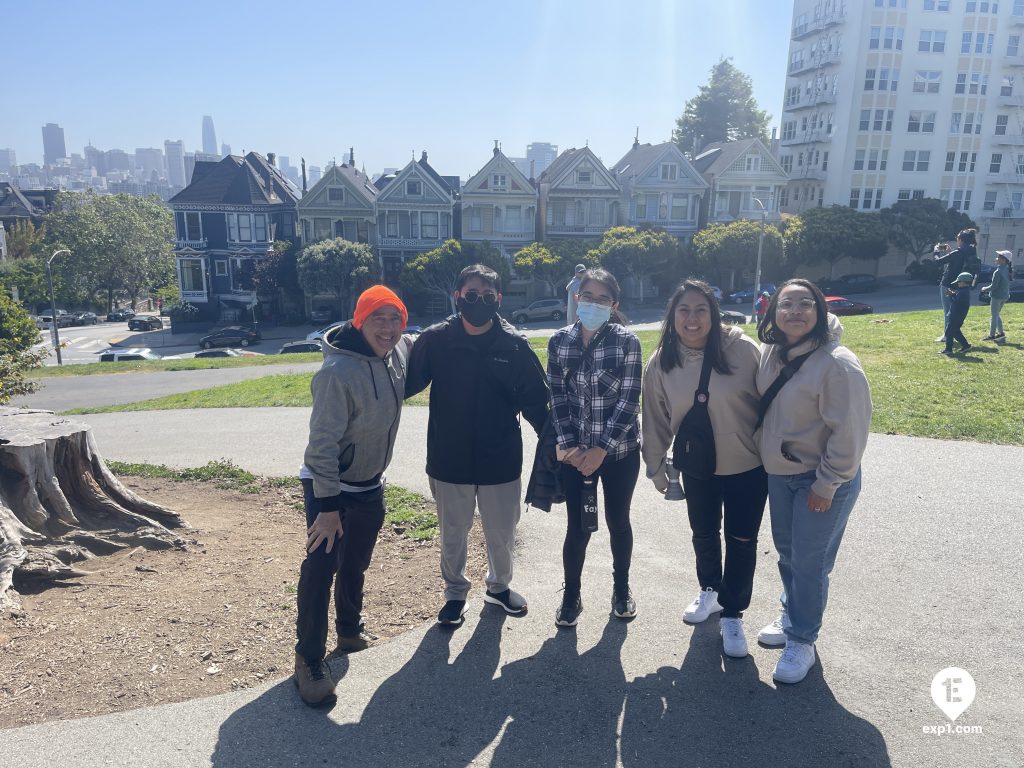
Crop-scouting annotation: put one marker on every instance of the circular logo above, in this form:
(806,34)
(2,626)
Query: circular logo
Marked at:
(702,398)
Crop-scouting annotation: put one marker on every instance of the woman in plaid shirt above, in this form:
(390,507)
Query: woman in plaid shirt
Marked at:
(595,368)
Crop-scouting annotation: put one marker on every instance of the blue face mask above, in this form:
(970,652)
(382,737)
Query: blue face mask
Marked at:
(593,316)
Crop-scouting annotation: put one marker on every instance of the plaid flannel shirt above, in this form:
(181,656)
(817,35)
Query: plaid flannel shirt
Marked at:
(598,405)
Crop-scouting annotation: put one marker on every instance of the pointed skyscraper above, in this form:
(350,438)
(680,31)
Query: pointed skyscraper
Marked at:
(209,136)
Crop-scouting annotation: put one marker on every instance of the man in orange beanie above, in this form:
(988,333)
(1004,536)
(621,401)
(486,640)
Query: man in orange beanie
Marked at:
(363,374)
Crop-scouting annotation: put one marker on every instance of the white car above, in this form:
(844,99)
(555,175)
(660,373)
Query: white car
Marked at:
(122,355)
(319,335)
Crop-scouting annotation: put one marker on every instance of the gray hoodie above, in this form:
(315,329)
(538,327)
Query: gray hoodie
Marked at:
(357,404)
(820,419)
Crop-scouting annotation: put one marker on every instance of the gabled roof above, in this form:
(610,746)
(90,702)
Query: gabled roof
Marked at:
(14,204)
(443,181)
(346,176)
(568,160)
(479,181)
(642,157)
(248,180)
(421,168)
(719,156)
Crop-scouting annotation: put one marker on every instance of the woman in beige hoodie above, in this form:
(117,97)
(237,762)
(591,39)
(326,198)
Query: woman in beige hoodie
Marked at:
(692,332)
(811,441)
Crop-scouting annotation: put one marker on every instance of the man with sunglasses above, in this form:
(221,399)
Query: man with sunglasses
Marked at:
(482,376)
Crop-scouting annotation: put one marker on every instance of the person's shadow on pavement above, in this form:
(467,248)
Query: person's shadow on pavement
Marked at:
(715,710)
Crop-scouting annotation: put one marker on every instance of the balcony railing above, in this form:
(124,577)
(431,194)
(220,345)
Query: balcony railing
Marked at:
(194,297)
(409,242)
(814,100)
(811,173)
(1009,213)
(499,235)
(807,139)
(819,24)
(823,59)
(195,245)
(575,229)
(1013,139)
(258,247)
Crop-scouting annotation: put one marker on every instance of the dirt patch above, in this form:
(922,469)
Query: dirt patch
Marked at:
(151,628)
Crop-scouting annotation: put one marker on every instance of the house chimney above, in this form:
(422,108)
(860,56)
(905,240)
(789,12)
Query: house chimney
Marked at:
(533,166)
(423,158)
(271,158)
(352,157)
(636,138)
(496,150)
(303,176)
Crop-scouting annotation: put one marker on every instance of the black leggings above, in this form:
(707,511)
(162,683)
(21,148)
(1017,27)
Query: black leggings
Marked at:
(743,497)
(618,479)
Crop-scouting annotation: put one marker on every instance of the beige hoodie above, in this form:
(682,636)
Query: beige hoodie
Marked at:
(820,419)
(732,404)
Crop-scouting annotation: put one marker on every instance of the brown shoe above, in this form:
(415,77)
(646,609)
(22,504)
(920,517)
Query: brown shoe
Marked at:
(314,681)
(353,644)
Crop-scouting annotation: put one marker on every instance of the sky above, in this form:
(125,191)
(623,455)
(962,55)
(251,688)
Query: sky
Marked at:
(311,78)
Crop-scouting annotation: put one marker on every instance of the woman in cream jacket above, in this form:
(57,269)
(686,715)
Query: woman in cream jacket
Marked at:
(693,330)
(811,442)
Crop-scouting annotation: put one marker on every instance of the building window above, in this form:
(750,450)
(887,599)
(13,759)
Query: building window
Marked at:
(191,274)
(514,218)
(982,6)
(1001,123)
(680,207)
(641,207)
(753,164)
(233,227)
(854,197)
(990,201)
(996,163)
(414,188)
(787,163)
(321,229)
(892,38)
(858,160)
(669,171)
(921,122)
(967,162)
(428,221)
(982,42)
(972,122)
(261,227)
(869,79)
(336,194)
(499,181)
(1006,89)
(391,224)
(875,40)
(789,130)
(904,194)
(932,41)
(584,177)
(193,226)
(221,268)
(476,223)
(824,162)
(244,228)
(792,96)
(927,81)
(950,161)
(1012,45)
(936,5)
(783,197)
(888,79)
(883,120)
(916,160)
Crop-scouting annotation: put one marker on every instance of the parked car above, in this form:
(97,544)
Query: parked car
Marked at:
(321,315)
(732,317)
(319,334)
(226,337)
(746,295)
(542,309)
(145,323)
(985,273)
(840,305)
(1016,291)
(122,355)
(63,318)
(925,270)
(226,353)
(718,293)
(849,284)
(120,315)
(84,318)
(300,346)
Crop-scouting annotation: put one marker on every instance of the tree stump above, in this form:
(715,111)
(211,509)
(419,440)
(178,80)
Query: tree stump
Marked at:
(61,505)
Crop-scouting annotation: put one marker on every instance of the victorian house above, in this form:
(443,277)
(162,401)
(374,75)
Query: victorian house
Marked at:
(743,176)
(341,204)
(660,189)
(579,197)
(417,210)
(226,219)
(499,205)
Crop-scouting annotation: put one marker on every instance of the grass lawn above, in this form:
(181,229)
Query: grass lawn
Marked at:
(916,391)
(149,366)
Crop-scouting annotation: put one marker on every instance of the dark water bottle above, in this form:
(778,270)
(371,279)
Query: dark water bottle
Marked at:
(588,514)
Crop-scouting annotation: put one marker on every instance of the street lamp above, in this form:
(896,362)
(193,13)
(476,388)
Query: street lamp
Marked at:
(760,247)
(53,304)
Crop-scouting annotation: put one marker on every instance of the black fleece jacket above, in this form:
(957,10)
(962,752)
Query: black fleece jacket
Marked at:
(478,388)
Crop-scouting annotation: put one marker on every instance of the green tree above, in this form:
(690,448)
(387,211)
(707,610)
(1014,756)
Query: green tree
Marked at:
(337,266)
(25,241)
(720,251)
(914,226)
(832,234)
(539,262)
(435,272)
(723,110)
(18,334)
(637,253)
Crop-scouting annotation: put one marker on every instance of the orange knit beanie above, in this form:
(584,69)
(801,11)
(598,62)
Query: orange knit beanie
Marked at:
(374,298)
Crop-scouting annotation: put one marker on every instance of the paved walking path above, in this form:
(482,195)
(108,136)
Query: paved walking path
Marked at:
(925,580)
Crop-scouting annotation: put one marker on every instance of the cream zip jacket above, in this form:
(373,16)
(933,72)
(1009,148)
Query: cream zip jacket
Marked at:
(732,405)
(820,419)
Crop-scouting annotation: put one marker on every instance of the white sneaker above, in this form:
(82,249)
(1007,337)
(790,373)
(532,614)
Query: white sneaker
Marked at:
(794,664)
(703,605)
(941,339)
(734,642)
(774,634)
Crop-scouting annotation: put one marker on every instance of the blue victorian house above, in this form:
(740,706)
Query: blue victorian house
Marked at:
(225,220)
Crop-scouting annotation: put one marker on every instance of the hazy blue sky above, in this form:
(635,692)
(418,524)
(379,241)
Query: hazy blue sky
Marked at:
(311,78)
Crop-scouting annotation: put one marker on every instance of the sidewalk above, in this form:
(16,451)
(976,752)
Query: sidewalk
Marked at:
(923,582)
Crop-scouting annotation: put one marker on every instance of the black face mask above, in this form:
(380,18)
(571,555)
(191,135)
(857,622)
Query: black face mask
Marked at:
(477,314)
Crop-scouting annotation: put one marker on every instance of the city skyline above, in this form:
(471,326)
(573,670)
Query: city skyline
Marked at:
(449,83)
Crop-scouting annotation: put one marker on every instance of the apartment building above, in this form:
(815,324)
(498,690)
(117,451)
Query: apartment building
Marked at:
(889,100)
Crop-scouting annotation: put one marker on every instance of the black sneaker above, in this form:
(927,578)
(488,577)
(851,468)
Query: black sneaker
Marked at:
(623,604)
(569,613)
(511,602)
(452,613)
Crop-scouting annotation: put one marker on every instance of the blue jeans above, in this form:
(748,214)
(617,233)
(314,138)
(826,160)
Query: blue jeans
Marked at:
(807,543)
(946,299)
(995,327)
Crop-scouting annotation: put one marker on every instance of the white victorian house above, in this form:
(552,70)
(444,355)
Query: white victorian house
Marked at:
(415,213)
(660,188)
(579,197)
(741,173)
(341,204)
(499,205)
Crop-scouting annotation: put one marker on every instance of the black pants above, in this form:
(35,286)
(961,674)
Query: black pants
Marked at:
(361,520)
(743,497)
(617,479)
(954,322)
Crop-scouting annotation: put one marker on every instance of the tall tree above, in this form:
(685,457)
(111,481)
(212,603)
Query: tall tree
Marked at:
(722,250)
(25,241)
(637,253)
(337,266)
(723,110)
(832,234)
(435,272)
(538,261)
(18,334)
(914,226)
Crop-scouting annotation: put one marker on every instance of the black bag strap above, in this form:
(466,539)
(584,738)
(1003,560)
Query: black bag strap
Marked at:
(785,375)
(702,386)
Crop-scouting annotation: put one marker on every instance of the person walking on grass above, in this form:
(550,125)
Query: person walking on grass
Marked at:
(595,369)
(815,413)
(571,290)
(357,404)
(961,259)
(959,306)
(482,376)
(694,344)
(999,293)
